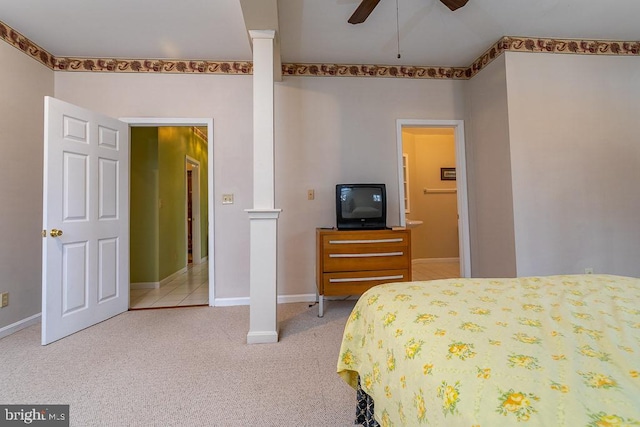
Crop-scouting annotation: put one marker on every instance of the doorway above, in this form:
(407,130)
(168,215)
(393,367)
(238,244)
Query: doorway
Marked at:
(192,211)
(434,202)
(203,267)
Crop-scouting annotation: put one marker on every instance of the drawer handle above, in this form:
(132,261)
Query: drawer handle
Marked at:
(375,254)
(365,279)
(350,242)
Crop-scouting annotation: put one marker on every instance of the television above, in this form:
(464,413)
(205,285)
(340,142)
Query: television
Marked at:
(361,206)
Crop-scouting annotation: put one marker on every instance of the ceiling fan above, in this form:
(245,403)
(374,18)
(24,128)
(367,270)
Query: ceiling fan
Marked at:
(366,7)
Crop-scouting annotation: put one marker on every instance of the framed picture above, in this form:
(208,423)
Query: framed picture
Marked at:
(447,174)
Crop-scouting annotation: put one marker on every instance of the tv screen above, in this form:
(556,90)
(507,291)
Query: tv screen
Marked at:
(361,206)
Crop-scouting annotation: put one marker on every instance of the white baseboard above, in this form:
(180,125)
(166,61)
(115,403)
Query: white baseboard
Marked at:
(433,260)
(282,299)
(228,302)
(21,324)
(157,285)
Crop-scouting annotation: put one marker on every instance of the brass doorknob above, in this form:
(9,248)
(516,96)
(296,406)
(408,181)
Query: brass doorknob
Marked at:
(55,232)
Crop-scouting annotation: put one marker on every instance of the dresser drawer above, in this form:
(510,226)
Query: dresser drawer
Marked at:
(356,258)
(365,250)
(357,282)
(363,239)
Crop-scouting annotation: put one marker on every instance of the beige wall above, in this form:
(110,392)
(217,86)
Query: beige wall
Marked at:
(328,130)
(489,174)
(554,160)
(575,160)
(341,130)
(24,83)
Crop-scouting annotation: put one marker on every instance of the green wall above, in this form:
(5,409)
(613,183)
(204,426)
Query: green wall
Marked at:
(169,192)
(144,205)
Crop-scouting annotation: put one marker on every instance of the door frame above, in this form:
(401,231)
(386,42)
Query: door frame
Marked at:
(461,182)
(196,256)
(208,122)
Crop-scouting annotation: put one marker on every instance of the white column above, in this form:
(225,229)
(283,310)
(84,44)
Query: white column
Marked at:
(263,218)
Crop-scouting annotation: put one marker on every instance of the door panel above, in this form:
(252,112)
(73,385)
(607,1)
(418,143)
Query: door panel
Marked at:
(108,198)
(74,277)
(86,191)
(75,186)
(107,269)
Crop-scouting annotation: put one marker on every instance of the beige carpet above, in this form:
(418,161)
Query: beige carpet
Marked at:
(186,367)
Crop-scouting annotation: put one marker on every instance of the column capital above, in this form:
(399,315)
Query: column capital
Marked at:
(263,213)
(262,34)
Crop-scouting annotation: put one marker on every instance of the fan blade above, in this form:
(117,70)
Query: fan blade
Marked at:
(363,11)
(454,4)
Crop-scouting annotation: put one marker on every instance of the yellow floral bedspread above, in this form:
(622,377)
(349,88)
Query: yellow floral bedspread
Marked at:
(543,351)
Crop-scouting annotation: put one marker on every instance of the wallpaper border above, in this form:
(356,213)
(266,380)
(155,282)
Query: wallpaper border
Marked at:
(22,43)
(505,44)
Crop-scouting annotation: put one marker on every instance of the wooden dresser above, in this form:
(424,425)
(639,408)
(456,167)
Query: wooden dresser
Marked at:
(350,262)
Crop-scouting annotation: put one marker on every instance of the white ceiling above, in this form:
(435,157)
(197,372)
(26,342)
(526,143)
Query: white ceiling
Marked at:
(311,31)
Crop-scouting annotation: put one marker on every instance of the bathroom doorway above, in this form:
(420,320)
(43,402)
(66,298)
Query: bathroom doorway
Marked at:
(432,175)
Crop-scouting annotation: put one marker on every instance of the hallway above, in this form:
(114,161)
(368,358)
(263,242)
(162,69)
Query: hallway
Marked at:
(435,270)
(189,288)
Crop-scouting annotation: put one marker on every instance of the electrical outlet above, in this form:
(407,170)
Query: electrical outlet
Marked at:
(588,270)
(5,299)
(227,199)
(311,194)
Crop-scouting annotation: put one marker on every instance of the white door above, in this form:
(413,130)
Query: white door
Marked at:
(85,255)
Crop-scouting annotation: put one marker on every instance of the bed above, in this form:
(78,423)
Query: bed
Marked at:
(540,351)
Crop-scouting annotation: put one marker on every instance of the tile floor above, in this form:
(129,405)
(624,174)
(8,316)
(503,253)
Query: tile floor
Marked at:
(189,288)
(435,270)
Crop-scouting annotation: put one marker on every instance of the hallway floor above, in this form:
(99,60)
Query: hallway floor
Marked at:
(435,270)
(189,288)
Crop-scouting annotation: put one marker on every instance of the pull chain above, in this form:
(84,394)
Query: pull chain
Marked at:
(398,29)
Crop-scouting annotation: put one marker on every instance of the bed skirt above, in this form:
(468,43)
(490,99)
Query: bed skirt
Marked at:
(364,409)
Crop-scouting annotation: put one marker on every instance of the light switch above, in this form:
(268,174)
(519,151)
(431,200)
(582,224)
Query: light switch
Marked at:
(311,194)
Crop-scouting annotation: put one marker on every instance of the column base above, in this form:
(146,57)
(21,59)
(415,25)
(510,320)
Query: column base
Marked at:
(263,304)
(266,337)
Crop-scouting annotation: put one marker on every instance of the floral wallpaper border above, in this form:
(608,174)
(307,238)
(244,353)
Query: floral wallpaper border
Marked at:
(547,45)
(19,41)
(397,71)
(505,44)
(153,66)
